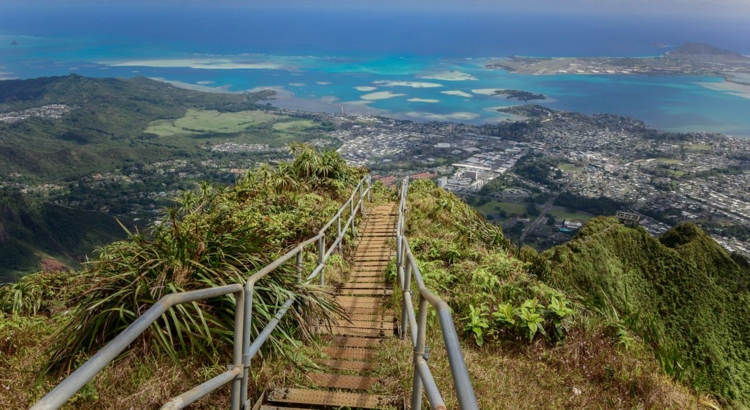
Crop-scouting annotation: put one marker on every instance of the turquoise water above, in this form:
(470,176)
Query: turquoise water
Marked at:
(317,61)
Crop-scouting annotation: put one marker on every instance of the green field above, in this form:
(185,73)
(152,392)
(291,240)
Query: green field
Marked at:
(209,121)
(563,215)
(569,167)
(509,207)
(670,161)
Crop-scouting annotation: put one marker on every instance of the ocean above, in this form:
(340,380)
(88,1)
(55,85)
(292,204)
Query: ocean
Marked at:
(411,65)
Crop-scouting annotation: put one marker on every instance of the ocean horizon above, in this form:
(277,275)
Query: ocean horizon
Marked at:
(418,66)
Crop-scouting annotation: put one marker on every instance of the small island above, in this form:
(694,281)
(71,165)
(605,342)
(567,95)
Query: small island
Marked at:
(521,95)
(14,43)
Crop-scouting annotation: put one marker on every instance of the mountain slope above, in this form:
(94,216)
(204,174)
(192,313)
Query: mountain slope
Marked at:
(683,293)
(104,128)
(31,232)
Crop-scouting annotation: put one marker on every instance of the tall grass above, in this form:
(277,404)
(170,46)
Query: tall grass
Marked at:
(213,237)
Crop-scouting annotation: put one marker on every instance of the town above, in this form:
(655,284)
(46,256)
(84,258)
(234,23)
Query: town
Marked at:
(540,177)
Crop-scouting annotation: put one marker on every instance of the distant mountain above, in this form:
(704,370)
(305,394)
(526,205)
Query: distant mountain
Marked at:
(682,293)
(104,128)
(700,49)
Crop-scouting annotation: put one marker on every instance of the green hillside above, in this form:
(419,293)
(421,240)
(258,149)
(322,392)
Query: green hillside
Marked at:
(106,127)
(32,231)
(682,293)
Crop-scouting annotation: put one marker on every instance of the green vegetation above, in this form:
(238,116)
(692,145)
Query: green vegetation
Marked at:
(569,168)
(682,294)
(211,237)
(106,127)
(494,207)
(521,95)
(527,344)
(32,232)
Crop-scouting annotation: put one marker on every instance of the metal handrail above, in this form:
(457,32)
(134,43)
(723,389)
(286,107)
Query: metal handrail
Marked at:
(407,269)
(243,347)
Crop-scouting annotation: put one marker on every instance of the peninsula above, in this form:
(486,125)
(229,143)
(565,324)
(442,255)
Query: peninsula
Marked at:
(694,59)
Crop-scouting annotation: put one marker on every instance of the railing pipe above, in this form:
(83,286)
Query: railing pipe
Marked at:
(70,386)
(430,388)
(197,392)
(243,350)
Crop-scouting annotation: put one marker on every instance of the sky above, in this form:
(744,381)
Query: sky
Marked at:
(736,9)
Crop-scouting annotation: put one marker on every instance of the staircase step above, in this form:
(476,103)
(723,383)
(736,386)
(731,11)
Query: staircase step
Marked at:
(360,300)
(366,285)
(343,381)
(360,332)
(385,292)
(367,279)
(329,398)
(367,324)
(353,341)
(374,310)
(349,353)
(266,407)
(348,365)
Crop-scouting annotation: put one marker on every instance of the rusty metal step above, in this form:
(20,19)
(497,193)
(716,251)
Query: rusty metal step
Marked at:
(362,342)
(342,381)
(348,365)
(331,398)
(349,353)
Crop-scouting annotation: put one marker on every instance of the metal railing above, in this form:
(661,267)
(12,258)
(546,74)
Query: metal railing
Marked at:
(243,347)
(408,269)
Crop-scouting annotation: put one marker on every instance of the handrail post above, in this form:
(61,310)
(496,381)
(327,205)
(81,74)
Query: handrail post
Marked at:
(416,393)
(369,188)
(338,233)
(406,287)
(246,339)
(239,322)
(321,258)
(299,266)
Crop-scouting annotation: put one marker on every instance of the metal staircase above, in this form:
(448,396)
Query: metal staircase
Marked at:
(350,359)
(349,366)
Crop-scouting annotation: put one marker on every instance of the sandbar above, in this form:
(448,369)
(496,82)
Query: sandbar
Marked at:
(486,91)
(423,100)
(740,90)
(297,84)
(457,93)
(194,87)
(382,95)
(211,64)
(412,84)
(365,88)
(442,117)
(448,76)
(323,82)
